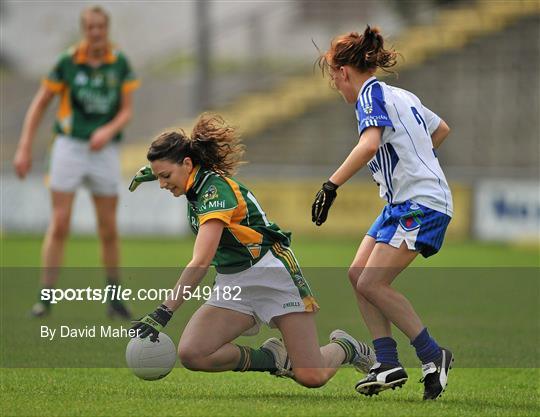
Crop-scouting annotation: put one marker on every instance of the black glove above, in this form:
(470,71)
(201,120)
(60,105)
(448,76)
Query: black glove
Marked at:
(323,201)
(153,323)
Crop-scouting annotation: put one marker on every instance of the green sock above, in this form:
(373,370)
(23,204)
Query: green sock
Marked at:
(347,347)
(259,360)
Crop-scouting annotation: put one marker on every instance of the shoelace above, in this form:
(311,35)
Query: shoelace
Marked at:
(372,376)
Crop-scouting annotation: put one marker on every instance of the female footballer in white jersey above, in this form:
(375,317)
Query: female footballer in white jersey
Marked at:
(398,138)
(252,257)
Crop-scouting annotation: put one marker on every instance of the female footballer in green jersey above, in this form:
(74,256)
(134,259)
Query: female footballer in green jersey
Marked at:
(255,266)
(95,83)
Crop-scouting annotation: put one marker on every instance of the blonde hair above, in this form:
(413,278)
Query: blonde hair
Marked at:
(94,9)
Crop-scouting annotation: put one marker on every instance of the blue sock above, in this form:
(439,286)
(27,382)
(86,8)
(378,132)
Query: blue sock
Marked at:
(386,351)
(426,347)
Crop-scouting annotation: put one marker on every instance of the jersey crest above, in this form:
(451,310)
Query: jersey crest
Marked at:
(210,194)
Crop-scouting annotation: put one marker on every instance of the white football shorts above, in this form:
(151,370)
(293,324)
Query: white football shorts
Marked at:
(264,291)
(73,164)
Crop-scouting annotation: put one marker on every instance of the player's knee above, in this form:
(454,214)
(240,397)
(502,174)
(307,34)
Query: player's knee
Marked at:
(354,273)
(365,288)
(190,358)
(59,228)
(108,234)
(310,377)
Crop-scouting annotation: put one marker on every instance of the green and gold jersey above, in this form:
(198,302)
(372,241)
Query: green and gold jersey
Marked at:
(247,235)
(89,97)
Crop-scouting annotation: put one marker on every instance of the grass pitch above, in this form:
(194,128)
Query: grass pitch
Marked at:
(24,251)
(488,317)
(108,392)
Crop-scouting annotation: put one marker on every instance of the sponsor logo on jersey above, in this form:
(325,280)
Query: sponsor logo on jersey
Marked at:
(202,208)
(216,204)
(194,222)
(97,81)
(368,109)
(376,117)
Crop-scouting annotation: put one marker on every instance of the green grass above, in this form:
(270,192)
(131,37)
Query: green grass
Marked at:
(488,316)
(25,251)
(106,392)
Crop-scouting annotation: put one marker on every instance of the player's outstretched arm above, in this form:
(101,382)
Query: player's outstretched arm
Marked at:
(366,149)
(22,162)
(361,154)
(204,251)
(440,134)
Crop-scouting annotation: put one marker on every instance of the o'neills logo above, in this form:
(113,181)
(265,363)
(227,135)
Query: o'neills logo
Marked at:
(291,304)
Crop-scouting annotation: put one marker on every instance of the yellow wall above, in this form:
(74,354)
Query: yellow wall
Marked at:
(288,203)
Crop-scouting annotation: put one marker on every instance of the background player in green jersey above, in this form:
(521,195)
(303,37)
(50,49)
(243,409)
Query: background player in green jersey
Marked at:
(95,84)
(258,278)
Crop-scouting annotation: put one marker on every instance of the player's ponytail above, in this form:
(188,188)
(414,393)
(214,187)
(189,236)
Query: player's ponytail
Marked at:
(364,52)
(213,144)
(216,145)
(375,55)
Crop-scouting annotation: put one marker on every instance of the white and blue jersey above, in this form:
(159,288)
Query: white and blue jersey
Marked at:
(406,169)
(405,166)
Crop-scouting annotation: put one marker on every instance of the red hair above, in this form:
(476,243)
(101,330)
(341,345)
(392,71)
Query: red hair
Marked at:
(364,52)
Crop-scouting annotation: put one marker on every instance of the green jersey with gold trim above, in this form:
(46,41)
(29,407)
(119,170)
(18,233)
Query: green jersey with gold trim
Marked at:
(248,234)
(90,96)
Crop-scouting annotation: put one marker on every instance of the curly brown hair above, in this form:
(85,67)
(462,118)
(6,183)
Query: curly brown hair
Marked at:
(213,144)
(364,52)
